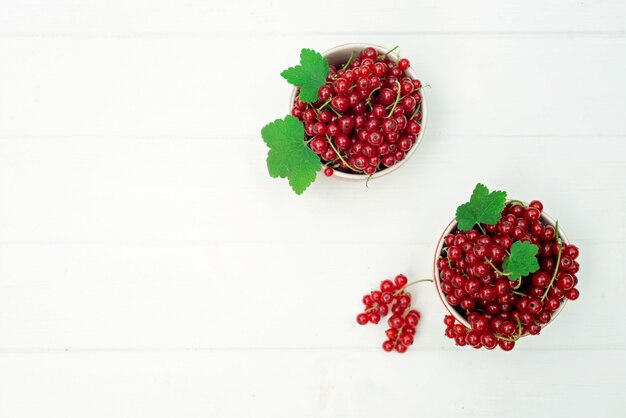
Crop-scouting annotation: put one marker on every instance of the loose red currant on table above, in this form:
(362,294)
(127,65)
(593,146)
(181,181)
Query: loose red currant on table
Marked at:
(371,101)
(392,297)
(500,310)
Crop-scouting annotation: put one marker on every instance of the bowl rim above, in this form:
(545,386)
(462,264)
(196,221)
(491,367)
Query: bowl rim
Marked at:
(546,218)
(424,109)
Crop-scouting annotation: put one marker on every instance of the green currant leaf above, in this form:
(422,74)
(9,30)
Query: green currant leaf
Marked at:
(310,75)
(289,156)
(522,261)
(483,207)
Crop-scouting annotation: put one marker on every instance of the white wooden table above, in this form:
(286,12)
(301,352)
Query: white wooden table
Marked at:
(149,267)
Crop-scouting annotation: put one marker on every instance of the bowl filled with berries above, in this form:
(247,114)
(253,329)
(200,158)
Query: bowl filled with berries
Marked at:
(370,115)
(503,269)
(357,112)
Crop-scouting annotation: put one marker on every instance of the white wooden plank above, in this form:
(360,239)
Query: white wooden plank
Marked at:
(116,190)
(253,295)
(247,16)
(313,383)
(481,85)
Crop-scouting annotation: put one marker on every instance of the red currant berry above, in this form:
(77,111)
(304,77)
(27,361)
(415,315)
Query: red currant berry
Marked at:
(489,341)
(506,345)
(571,251)
(340,103)
(412,320)
(537,205)
(386,297)
(549,233)
(534,329)
(531,214)
(387,286)
(413,128)
(401,348)
(472,338)
(406,339)
(376,295)
(389,160)
(401,280)
(319,145)
(565,281)
(552,303)
(374,318)
(386,96)
(572,294)
(396,321)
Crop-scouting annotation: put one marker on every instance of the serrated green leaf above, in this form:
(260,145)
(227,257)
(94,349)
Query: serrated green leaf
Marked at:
(483,207)
(522,261)
(289,156)
(310,75)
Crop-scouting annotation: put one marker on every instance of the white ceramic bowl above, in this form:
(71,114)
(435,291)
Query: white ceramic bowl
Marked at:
(338,56)
(545,218)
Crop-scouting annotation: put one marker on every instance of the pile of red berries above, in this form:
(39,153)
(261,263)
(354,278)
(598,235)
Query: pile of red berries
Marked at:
(403,321)
(500,310)
(367,116)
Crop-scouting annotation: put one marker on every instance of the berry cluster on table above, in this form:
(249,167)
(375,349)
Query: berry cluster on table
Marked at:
(391,297)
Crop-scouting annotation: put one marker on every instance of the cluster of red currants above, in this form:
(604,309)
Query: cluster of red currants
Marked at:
(500,310)
(403,320)
(367,116)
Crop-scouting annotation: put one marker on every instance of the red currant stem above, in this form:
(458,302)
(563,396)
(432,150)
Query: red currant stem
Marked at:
(367,181)
(517,201)
(395,103)
(558,262)
(371,308)
(519,326)
(481,229)
(417,109)
(506,338)
(325,103)
(519,293)
(349,61)
(390,51)
(411,284)
(398,336)
(389,106)
(333,109)
(496,269)
(330,142)
(519,283)
(368,101)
